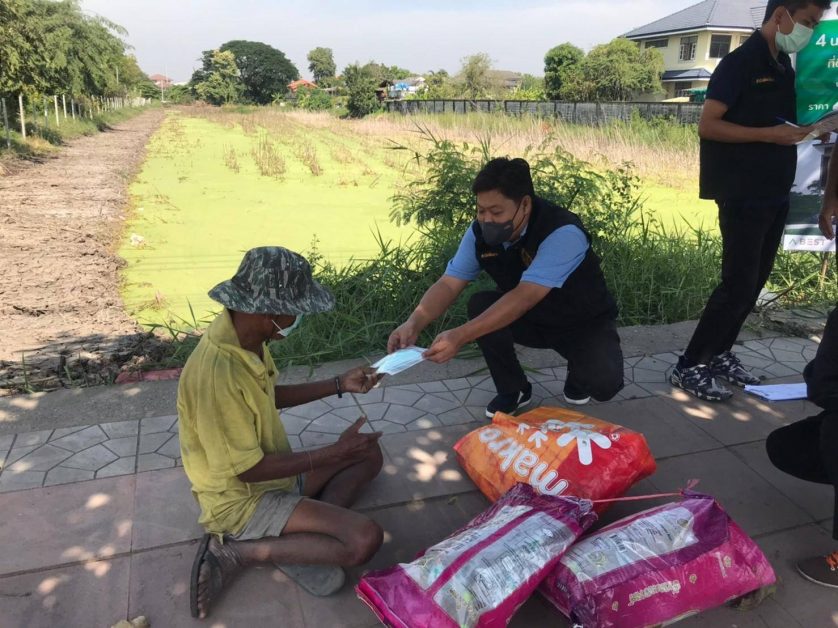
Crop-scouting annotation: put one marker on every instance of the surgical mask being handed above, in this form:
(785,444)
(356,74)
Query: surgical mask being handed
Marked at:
(287,331)
(796,40)
(496,233)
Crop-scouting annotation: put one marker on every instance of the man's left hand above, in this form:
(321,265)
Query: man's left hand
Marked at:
(445,347)
(359,380)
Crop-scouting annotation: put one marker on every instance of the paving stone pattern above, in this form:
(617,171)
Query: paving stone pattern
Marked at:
(100,550)
(50,457)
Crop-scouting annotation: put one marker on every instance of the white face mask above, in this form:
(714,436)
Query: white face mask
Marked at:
(287,331)
(399,361)
(796,40)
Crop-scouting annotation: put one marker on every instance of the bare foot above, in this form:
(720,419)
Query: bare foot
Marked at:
(217,566)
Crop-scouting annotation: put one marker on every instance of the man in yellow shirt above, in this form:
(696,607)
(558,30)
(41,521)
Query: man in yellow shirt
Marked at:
(261,502)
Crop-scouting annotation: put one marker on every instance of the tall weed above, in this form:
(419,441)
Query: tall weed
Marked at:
(268,160)
(307,153)
(231,159)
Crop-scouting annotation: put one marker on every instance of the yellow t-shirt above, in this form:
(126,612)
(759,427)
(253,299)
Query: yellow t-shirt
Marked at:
(228,421)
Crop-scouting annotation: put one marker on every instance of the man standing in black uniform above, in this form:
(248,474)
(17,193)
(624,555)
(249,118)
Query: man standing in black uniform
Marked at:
(748,165)
(550,294)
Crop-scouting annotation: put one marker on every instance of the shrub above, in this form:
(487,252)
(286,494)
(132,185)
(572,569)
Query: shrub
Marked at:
(313,99)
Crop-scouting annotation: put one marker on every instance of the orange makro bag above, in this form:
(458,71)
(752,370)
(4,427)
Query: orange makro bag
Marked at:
(557,452)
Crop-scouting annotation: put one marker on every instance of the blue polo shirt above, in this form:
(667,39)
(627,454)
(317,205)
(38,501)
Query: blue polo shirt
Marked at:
(557,257)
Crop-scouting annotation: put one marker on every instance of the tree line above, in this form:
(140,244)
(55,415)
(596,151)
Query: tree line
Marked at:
(49,48)
(249,72)
(254,72)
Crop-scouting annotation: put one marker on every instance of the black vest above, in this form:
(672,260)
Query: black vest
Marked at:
(583,297)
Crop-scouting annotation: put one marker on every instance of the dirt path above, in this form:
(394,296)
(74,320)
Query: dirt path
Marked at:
(60,310)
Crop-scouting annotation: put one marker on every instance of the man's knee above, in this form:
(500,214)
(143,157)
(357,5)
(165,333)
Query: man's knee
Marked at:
(479,302)
(364,541)
(776,447)
(607,383)
(375,460)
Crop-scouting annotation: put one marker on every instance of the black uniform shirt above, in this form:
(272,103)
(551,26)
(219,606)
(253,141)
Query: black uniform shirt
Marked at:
(758,91)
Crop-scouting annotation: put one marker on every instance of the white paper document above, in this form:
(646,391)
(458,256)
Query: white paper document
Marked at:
(779,392)
(400,360)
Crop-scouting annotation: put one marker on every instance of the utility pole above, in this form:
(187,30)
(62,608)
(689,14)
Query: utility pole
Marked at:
(164,81)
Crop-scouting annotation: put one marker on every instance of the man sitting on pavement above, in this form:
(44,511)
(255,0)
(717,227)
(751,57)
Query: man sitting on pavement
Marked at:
(260,502)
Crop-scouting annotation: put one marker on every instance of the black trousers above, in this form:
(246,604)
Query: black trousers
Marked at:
(593,353)
(808,450)
(751,233)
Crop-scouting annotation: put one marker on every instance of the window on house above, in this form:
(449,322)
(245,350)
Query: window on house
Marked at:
(743,39)
(657,43)
(688,46)
(719,46)
(682,88)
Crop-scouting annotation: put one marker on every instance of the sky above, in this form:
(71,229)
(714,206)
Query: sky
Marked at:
(168,36)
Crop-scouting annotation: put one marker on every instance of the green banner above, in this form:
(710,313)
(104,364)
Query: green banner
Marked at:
(817,94)
(817,72)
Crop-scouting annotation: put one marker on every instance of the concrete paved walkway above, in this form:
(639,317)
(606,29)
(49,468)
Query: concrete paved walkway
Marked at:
(99,525)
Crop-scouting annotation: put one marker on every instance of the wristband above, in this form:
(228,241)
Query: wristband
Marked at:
(337,387)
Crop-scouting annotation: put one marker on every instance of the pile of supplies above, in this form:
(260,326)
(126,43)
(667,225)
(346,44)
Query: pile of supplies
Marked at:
(549,472)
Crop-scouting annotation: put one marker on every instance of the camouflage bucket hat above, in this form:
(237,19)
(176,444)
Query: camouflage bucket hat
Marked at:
(273,280)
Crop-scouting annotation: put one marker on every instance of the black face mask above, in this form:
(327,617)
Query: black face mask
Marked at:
(496,233)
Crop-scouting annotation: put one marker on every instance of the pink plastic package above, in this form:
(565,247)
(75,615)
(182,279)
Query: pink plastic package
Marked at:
(481,574)
(658,566)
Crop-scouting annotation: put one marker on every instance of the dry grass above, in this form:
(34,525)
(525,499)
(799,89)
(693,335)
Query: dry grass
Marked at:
(307,153)
(663,161)
(342,155)
(231,159)
(268,160)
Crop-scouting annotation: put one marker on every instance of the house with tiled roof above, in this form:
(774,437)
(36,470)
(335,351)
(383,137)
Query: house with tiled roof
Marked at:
(162,82)
(694,39)
(293,86)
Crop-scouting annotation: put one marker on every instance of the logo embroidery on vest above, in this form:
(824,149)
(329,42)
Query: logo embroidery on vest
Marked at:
(526,258)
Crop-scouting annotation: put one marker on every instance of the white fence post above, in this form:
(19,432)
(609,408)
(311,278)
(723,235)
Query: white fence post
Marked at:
(22,116)
(57,119)
(64,104)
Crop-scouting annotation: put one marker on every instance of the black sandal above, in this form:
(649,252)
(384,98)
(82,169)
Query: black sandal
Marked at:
(215,582)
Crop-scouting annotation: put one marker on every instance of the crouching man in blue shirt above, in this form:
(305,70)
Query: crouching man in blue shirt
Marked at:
(550,293)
